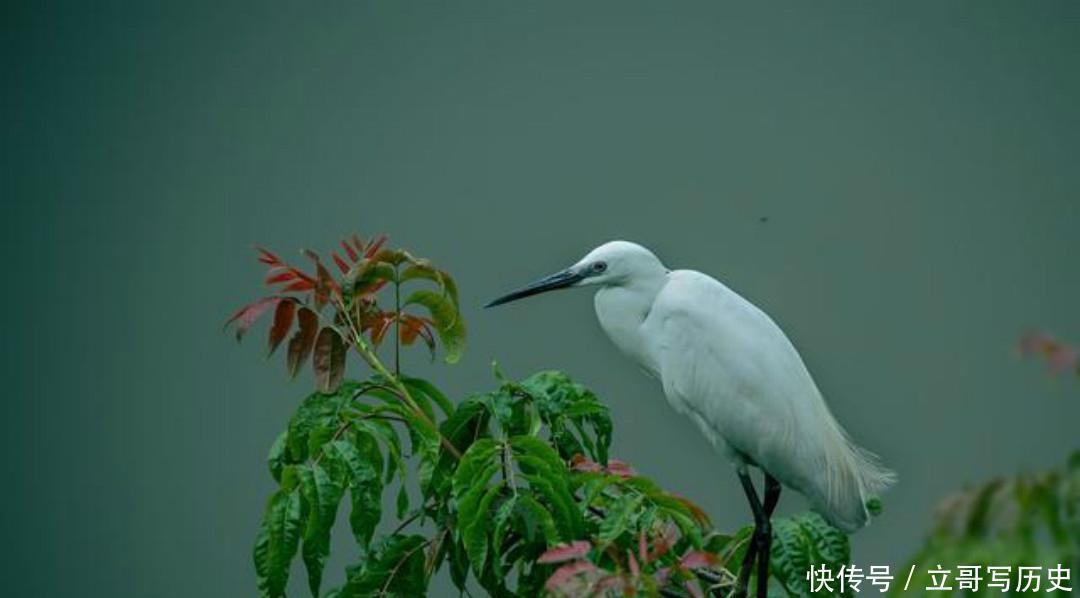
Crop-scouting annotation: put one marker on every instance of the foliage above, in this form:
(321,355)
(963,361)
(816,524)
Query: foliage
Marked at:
(365,270)
(1026,520)
(517,491)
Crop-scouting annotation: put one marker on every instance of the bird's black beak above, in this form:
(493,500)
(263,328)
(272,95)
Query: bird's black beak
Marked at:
(559,280)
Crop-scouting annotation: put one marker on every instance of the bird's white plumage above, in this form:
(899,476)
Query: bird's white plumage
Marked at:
(726,365)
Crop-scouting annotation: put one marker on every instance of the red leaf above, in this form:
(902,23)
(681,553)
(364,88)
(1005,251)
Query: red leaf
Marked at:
(355,257)
(246,316)
(375,246)
(340,262)
(635,570)
(580,462)
(613,582)
(565,552)
(664,541)
(411,327)
(328,360)
(300,285)
(285,276)
(358,243)
(429,339)
(378,324)
(566,572)
(268,258)
(698,559)
(643,547)
(324,285)
(301,344)
(620,468)
(283,320)
(288,274)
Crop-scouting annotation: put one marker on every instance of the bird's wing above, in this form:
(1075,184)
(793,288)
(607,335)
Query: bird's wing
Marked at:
(726,363)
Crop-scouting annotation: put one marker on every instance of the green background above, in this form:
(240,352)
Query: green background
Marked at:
(916,162)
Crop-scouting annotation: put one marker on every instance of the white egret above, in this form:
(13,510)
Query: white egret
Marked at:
(726,365)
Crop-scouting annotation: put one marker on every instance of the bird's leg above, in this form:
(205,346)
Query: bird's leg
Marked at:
(764,539)
(754,545)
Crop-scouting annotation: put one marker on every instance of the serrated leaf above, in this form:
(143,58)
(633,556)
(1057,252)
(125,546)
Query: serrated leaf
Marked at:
(322,496)
(790,556)
(277,542)
(475,534)
(357,470)
(501,524)
(617,519)
(830,544)
(537,520)
(276,458)
(389,437)
(394,567)
(421,386)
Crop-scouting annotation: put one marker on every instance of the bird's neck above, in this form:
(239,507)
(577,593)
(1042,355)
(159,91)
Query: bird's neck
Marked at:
(622,310)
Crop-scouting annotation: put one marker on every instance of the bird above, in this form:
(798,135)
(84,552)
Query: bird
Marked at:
(727,366)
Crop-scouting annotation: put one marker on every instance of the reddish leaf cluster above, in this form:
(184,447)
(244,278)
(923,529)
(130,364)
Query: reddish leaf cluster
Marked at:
(1059,357)
(614,467)
(365,269)
(299,299)
(578,576)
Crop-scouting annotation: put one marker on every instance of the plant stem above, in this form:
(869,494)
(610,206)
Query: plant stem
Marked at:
(402,392)
(397,323)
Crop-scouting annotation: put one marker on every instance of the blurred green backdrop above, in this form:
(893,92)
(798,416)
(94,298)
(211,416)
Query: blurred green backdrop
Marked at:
(915,164)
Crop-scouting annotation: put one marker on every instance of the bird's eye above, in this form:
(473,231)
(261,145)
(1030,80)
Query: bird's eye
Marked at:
(599,267)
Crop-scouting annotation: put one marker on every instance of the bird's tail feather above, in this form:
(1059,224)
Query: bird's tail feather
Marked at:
(853,476)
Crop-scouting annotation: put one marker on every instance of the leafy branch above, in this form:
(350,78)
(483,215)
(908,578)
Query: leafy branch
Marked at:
(518,493)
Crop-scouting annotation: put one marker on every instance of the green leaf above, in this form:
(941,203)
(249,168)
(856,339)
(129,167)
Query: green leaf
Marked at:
(393,567)
(473,463)
(317,410)
(366,275)
(366,510)
(424,269)
(469,422)
(830,544)
(354,469)
(322,497)
(501,525)
(790,556)
(448,321)
(423,387)
(366,491)
(402,502)
(618,517)
(569,409)
(538,522)
(277,542)
(276,459)
(475,534)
